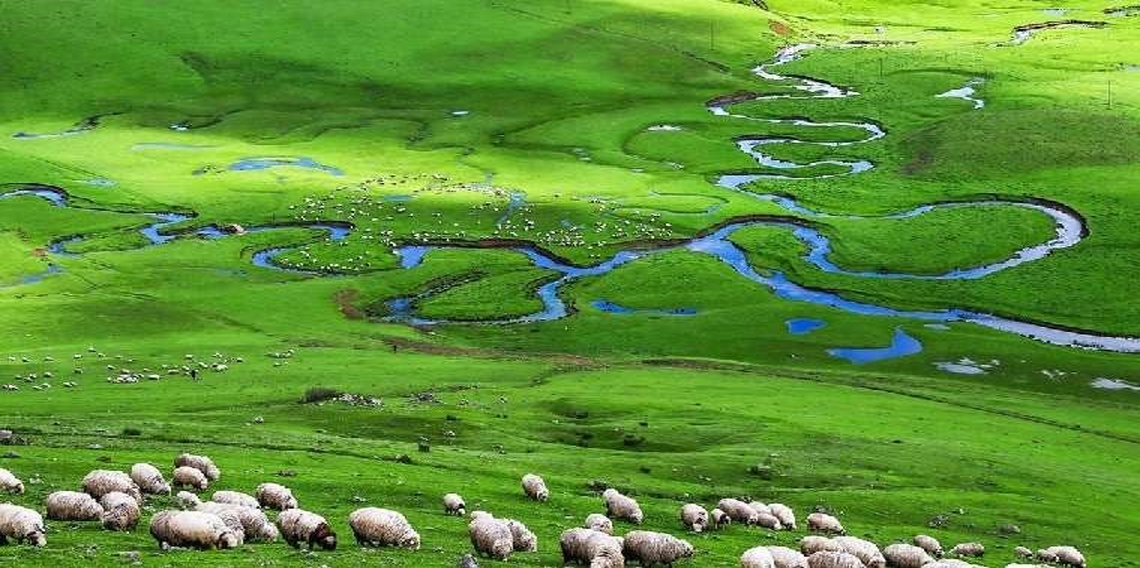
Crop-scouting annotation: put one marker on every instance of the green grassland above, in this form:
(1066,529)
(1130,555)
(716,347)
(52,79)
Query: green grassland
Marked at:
(496,121)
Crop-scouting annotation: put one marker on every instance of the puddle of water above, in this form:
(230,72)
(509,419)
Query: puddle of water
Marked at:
(664,128)
(612,308)
(254,164)
(56,198)
(803,326)
(412,256)
(1113,384)
(966,93)
(401,198)
(901,346)
(959,368)
(514,202)
(1055,11)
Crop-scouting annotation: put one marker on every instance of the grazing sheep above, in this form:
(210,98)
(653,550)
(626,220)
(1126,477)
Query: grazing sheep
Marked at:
(785,514)
(1023,552)
(191,529)
(9,483)
(276,496)
(1046,556)
(619,506)
(832,559)
(300,526)
(931,545)
(1068,555)
(595,548)
(228,514)
(21,524)
(101,482)
(187,500)
(824,523)
(120,511)
(720,519)
(149,479)
(812,544)
(951,563)
(236,498)
(759,557)
(373,526)
(867,552)
(535,487)
(490,536)
(186,476)
(524,540)
(600,523)
(738,511)
(72,506)
(467,561)
(200,463)
(768,521)
(652,548)
(453,505)
(694,517)
(970,549)
(255,526)
(785,557)
(901,555)
(759,507)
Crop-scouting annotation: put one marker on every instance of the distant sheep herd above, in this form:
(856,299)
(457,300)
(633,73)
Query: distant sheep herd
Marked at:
(231,518)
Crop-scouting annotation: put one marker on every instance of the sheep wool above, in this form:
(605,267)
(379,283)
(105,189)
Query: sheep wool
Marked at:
(1044,555)
(758,557)
(760,507)
(186,476)
(901,555)
(930,545)
(255,526)
(619,506)
(535,487)
(299,526)
(719,518)
(276,496)
(832,559)
(201,463)
(1068,555)
(101,482)
(120,511)
(787,558)
(867,552)
(600,523)
(694,517)
(72,506)
(149,479)
(738,511)
(1023,552)
(651,548)
(768,521)
(453,505)
(9,483)
(785,514)
(524,540)
(236,498)
(191,529)
(824,523)
(490,536)
(21,524)
(812,544)
(187,500)
(971,549)
(592,547)
(373,526)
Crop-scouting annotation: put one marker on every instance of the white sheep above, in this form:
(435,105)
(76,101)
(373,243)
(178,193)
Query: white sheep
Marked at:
(120,511)
(1068,555)
(1022,552)
(101,482)
(719,518)
(652,548)
(21,524)
(149,479)
(453,505)
(490,536)
(523,539)
(1046,556)
(619,506)
(187,500)
(738,510)
(191,529)
(900,555)
(969,549)
(768,520)
(812,544)
(72,506)
(373,526)
(201,463)
(759,507)
(236,498)
(694,517)
(824,523)
(867,552)
(758,557)
(785,557)
(535,487)
(255,526)
(931,545)
(276,496)
(299,526)
(599,522)
(9,483)
(186,476)
(586,546)
(785,514)
(832,559)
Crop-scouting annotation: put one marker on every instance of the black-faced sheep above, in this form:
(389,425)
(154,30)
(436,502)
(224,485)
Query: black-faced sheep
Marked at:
(968,549)
(21,524)
(201,463)
(120,511)
(930,545)
(619,506)
(738,511)
(276,496)
(719,519)
(594,548)
(236,498)
(758,557)
(72,506)
(832,559)
(490,536)
(373,526)
(694,517)
(453,505)
(787,558)
(651,548)
(824,523)
(9,483)
(902,555)
(299,526)
(191,529)
(867,552)
(149,479)
(186,476)
(535,487)
(784,514)
(599,522)
(101,482)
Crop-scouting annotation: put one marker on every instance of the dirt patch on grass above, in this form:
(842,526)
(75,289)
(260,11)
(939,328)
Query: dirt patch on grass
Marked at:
(345,302)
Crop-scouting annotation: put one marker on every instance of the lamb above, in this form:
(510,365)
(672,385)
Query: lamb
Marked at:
(72,506)
(738,510)
(200,463)
(652,548)
(236,498)
(523,539)
(812,544)
(787,558)
(600,523)
(187,500)
(906,556)
(535,487)
(490,536)
(255,526)
(186,476)
(619,506)
(276,496)
(867,552)
(1046,556)
(931,545)
(586,546)
(970,549)
(120,511)
(453,505)
(191,529)
(832,559)
(373,526)
(1023,552)
(149,479)
(1067,555)
(758,557)
(694,517)
(101,482)
(824,523)
(21,524)
(720,519)
(9,483)
(784,514)
(300,526)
